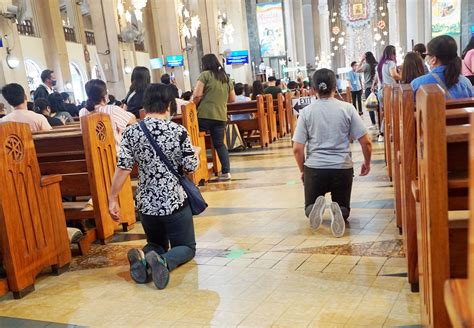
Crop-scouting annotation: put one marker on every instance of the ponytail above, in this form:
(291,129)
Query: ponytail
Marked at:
(90,106)
(96,91)
(452,71)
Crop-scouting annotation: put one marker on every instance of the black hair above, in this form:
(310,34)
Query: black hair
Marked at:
(337,76)
(292,85)
(469,46)
(158,98)
(324,81)
(353,63)
(14,94)
(46,74)
(166,79)
(305,84)
(444,48)
(140,79)
(112,100)
(65,96)
(421,49)
(370,59)
(247,90)
(187,95)
(40,105)
(30,106)
(278,82)
(211,63)
(239,89)
(272,79)
(257,89)
(96,91)
(56,102)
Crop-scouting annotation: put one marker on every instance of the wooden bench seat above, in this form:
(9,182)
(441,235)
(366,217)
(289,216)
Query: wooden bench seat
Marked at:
(279,104)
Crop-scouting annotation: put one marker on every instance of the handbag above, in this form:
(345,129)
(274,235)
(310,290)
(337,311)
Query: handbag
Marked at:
(372,102)
(195,199)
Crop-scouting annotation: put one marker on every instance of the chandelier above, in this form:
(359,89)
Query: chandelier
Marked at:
(132,18)
(225,29)
(188,24)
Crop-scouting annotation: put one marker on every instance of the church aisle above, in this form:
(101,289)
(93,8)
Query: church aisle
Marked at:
(258,262)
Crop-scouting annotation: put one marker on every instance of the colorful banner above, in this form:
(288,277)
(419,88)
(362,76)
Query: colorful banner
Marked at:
(445,17)
(271,30)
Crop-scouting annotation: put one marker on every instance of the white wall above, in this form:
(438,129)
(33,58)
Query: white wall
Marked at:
(32,49)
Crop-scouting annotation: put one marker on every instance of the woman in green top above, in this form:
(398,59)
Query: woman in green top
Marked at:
(213,91)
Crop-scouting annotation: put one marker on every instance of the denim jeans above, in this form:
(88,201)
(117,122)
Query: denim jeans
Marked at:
(217,131)
(372,112)
(317,182)
(175,230)
(357,99)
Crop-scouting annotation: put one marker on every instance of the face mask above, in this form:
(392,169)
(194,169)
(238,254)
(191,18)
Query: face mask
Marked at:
(53,82)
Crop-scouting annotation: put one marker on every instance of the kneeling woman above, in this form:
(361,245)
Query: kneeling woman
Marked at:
(161,201)
(326,127)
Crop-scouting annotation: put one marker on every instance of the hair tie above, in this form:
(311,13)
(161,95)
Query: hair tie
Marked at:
(322,86)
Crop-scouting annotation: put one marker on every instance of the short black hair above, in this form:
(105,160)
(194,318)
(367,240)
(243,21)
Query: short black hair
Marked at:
(278,82)
(40,105)
(187,95)
(353,63)
(272,79)
(239,89)
(65,96)
(14,94)
(46,74)
(158,97)
(165,78)
(324,81)
(30,106)
(421,49)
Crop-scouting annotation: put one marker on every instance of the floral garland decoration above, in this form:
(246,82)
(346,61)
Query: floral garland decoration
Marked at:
(371,9)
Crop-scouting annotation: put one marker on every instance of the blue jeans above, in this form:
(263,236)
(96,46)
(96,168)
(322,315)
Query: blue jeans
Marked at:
(217,131)
(176,230)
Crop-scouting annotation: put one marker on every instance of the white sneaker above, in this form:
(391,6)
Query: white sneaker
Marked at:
(316,214)
(380,138)
(225,177)
(373,127)
(338,225)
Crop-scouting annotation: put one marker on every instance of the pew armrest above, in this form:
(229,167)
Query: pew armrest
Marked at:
(47,180)
(415,190)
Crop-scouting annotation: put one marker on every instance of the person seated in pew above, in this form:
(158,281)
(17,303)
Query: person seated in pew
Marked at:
(15,95)
(445,66)
(30,106)
(272,88)
(420,49)
(247,90)
(239,97)
(412,67)
(68,105)
(326,128)
(2,109)
(42,107)
(96,91)
(161,200)
(58,110)
(257,89)
(186,96)
(140,80)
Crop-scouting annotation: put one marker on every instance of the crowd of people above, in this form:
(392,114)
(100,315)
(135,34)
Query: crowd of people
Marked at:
(321,142)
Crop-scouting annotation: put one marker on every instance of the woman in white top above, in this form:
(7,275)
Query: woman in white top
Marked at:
(97,103)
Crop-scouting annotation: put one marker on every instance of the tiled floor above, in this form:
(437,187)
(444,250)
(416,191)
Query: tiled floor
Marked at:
(258,263)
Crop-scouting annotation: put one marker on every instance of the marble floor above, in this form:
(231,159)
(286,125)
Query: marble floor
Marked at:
(258,263)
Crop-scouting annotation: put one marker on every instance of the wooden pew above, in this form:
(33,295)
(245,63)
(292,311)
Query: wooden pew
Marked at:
(395,152)
(33,234)
(407,162)
(442,187)
(290,117)
(279,104)
(86,161)
(258,123)
(387,111)
(271,118)
(458,293)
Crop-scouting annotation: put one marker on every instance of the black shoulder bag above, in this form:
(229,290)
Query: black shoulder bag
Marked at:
(195,199)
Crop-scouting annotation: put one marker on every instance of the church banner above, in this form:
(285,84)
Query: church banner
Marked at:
(446,17)
(271,33)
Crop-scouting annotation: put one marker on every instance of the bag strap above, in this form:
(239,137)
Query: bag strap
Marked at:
(442,85)
(158,150)
(130,96)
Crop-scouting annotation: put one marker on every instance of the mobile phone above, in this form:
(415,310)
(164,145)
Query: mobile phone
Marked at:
(172,76)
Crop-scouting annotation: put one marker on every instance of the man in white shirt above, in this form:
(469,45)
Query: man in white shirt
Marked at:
(46,88)
(15,95)
(239,90)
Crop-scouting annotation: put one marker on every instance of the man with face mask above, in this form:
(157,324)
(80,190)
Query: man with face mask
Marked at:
(46,88)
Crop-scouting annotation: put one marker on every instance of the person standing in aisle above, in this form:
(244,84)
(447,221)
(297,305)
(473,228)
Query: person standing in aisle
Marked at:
(355,80)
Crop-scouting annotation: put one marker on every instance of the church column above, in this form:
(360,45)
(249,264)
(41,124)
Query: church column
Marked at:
(54,42)
(316,28)
(152,37)
(73,8)
(290,32)
(207,11)
(323,10)
(104,21)
(393,22)
(415,19)
(402,25)
(298,22)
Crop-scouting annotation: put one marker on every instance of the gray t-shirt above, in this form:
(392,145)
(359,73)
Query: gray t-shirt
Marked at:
(368,78)
(326,127)
(386,77)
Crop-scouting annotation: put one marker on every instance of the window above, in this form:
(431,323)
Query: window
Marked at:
(78,82)
(33,74)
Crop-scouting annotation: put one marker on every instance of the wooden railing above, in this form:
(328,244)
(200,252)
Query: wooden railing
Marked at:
(26,28)
(69,34)
(90,38)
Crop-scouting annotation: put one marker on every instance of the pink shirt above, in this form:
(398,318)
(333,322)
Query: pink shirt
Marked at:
(118,117)
(468,63)
(36,121)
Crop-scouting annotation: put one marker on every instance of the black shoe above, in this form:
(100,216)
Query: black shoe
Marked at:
(138,270)
(159,270)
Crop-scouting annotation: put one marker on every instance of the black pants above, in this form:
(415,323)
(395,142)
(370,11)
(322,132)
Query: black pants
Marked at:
(176,230)
(357,96)
(217,131)
(372,112)
(318,182)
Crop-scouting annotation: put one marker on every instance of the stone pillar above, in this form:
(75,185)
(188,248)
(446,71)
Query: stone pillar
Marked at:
(54,42)
(75,15)
(254,42)
(316,28)
(323,10)
(104,21)
(290,32)
(298,22)
(207,11)
(392,9)
(152,36)
(402,25)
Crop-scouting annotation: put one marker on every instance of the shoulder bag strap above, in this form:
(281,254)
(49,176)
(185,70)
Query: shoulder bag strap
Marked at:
(158,150)
(442,85)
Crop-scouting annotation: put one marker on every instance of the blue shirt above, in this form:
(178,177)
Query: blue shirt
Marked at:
(462,89)
(354,79)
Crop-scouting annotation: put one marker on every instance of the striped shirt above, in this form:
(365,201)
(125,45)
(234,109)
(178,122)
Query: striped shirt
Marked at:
(118,117)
